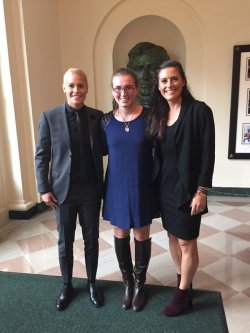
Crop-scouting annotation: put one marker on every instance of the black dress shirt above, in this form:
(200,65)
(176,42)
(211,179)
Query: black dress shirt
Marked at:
(82,165)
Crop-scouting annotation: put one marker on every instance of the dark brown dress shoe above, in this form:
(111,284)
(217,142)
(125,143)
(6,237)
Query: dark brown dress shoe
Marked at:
(64,298)
(94,295)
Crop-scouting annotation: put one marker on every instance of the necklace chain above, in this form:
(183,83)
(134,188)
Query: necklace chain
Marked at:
(126,123)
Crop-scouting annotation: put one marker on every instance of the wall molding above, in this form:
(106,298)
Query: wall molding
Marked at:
(27,214)
(230,191)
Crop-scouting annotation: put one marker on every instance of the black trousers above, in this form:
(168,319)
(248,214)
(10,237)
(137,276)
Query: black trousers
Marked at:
(84,202)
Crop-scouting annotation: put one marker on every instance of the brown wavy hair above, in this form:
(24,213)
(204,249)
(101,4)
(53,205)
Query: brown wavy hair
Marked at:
(159,106)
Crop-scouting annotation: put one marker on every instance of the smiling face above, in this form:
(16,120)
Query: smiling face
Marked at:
(75,87)
(124,91)
(170,84)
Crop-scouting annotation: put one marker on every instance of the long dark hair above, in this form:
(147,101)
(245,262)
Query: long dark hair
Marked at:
(159,106)
(121,72)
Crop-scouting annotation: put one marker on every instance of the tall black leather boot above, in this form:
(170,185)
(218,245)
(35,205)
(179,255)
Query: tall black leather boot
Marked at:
(123,254)
(142,257)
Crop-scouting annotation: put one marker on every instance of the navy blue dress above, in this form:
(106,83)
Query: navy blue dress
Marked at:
(127,198)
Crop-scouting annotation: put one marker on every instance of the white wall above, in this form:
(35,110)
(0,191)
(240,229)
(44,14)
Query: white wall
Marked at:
(225,24)
(45,37)
(209,28)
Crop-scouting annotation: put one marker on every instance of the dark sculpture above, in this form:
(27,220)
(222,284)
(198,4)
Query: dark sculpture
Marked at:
(144,59)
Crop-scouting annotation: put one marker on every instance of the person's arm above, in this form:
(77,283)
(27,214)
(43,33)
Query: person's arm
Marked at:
(42,161)
(199,201)
(103,140)
(104,123)
(207,158)
(206,141)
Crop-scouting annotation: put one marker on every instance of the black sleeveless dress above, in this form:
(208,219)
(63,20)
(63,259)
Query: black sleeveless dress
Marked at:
(177,221)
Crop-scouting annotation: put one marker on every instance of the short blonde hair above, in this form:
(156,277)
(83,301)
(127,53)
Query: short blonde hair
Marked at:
(75,71)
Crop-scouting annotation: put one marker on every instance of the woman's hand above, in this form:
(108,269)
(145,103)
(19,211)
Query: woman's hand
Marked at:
(198,203)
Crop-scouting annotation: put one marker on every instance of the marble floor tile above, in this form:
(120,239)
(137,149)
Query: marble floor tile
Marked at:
(237,313)
(242,231)
(225,243)
(30,246)
(231,271)
(244,256)
(237,215)
(220,222)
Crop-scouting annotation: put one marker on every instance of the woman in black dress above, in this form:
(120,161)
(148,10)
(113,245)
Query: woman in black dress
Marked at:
(183,129)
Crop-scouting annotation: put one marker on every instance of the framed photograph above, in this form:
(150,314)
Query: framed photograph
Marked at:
(245,134)
(239,131)
(248,102)
(248,69)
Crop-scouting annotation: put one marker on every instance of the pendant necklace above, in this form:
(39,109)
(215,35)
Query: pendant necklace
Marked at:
(126,123)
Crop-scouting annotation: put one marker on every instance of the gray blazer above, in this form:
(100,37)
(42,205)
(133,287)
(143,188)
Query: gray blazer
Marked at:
(53,150)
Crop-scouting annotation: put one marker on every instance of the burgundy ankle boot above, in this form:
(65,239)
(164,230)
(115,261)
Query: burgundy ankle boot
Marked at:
(179,303)
(190,294)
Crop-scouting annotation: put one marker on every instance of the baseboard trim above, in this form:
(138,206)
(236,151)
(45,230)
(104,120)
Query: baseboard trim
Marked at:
(230,191)
(27,214)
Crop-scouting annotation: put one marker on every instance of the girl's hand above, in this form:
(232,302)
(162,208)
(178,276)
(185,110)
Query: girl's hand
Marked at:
(198,203)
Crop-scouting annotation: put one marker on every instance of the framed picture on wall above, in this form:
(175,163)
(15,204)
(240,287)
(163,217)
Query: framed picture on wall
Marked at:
(248,102)
(248,69)
(239,131)
(246,133)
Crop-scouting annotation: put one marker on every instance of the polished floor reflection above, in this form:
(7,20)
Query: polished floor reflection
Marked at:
(224,246)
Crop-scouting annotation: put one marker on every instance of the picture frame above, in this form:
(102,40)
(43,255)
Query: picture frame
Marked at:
(239,130)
